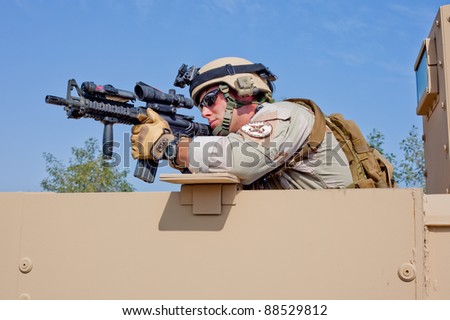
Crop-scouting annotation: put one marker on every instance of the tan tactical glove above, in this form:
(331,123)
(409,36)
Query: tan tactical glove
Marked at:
(150,139)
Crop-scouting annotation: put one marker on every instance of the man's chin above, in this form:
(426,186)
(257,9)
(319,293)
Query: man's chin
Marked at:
(214,124)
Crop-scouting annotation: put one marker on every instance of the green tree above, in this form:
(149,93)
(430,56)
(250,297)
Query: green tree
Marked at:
(376,140)
(408,171)
(412,165)
(87,171)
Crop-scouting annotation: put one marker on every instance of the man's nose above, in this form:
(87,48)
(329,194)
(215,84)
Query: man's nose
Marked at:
(206,112)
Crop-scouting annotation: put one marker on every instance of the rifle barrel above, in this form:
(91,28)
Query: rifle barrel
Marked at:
(56,101)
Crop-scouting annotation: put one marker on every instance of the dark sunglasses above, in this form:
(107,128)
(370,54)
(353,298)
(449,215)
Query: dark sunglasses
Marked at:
(209,99)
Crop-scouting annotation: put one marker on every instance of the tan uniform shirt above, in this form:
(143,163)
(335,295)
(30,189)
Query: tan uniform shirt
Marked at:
(258,151)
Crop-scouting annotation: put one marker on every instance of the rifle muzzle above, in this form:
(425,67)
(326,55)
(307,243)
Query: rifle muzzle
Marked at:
(56,100)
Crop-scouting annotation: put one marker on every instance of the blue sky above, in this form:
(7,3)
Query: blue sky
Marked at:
(353,57)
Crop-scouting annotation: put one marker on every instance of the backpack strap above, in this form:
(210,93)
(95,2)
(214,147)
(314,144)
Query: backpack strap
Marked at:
(368,167)
(354,145)
(317,132)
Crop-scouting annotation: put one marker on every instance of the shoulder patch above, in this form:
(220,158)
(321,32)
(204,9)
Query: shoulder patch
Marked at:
(257,129)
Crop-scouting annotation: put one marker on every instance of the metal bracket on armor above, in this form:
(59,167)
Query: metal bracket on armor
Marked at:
(245,86)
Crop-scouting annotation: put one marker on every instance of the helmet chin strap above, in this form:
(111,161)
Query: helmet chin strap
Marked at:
(224,128)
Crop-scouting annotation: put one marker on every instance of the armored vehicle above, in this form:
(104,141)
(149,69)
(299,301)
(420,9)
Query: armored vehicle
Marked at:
(212,240)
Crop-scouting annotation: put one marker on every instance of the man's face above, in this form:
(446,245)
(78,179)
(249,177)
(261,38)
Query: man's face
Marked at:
(214,111)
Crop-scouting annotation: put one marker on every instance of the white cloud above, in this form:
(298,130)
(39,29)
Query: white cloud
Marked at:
(344,25)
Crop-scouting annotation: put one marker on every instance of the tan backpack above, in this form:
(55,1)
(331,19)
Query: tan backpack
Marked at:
(368,166)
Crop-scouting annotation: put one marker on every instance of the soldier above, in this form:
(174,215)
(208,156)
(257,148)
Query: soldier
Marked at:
(254,137)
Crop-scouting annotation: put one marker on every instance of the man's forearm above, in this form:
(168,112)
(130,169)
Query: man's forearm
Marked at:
(182,158)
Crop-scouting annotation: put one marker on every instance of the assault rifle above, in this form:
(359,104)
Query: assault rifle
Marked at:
(110,105)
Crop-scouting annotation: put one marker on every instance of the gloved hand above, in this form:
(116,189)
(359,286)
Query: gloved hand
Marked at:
(150,139)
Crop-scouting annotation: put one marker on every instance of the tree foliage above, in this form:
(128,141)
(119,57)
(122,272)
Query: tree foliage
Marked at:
(376,140)
(412,166)
(409,167)
(87,171)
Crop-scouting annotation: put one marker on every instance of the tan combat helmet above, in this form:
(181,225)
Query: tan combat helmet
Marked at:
(247,80)
(241,75)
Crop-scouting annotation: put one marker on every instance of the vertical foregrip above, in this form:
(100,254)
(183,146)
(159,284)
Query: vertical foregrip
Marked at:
(108,140)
